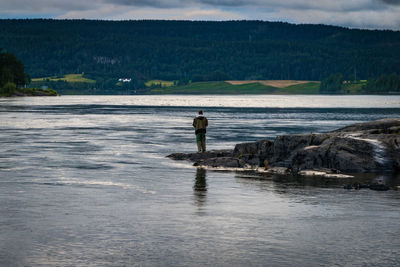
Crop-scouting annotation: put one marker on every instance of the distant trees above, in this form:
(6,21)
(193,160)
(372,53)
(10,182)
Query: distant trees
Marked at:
(332,85)
(185,51)
(12,74)
(384,84)
(8,89)
(198,50)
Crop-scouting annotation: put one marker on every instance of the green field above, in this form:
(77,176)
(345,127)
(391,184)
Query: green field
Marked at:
(157,82)
(305,88)
(71,78)
(353,87)
(212,87)
(227,88)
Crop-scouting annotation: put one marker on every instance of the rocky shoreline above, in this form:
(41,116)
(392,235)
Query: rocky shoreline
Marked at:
(369,147)
(34,92)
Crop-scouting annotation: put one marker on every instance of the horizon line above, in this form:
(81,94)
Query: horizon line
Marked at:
(200,20)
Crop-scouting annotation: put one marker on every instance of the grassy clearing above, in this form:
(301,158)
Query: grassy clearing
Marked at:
(241,88)
(354,87)
(273,83)
(157,82)
(29,92)
(303,88)
(217,88)
(71,78)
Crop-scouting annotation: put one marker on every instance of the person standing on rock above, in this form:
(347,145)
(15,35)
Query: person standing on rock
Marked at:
(200,124)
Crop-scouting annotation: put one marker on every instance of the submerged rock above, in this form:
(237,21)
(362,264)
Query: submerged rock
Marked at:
(364,147)
(375,186)
(327,174)
(197,157)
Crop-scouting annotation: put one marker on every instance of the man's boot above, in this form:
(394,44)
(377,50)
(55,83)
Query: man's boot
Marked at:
(203,145)
(199,146)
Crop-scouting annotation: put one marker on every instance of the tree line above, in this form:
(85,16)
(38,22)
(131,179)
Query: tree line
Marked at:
(384,84)
(12,76)
(387,84)
(12,73)
(198,50)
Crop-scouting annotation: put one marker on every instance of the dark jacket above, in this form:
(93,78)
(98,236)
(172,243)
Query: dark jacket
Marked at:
(200,124)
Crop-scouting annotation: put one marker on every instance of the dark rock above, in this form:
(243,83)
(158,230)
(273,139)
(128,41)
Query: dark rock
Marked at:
(178,156)
(363,147)
(286,145)
(348,186)
(341,153)
(379,187)
(254,153)
(201,156)
(392,142)
(378,126)
(225,162)
(376,186)
(356,186)
(279,171)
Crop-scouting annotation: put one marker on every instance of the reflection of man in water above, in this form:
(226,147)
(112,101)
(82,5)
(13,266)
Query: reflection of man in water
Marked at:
(200,183)
(200,124)
(200,186)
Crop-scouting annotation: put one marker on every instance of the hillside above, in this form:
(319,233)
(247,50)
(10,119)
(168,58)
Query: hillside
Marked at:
(197,51)
(274,83)
(241,87)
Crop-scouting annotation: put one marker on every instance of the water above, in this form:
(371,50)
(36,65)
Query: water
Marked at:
(84,182)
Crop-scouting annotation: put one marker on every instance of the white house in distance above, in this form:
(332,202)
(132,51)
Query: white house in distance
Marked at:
(125,80)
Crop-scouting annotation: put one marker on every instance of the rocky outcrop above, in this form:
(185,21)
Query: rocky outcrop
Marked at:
(33,92)
(363,147)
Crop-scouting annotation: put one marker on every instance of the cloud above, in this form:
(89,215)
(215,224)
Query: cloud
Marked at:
(39,6)
(113,12)
(375,14)
(391,2)
(337,5)
(209,14)
(149,3)
(366,19)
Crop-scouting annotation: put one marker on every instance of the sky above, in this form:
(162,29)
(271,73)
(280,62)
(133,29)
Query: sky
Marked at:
(364,14)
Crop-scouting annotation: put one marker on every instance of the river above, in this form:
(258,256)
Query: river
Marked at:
(84,181)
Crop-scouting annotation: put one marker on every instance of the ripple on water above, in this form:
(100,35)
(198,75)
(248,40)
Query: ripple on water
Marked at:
(84,181)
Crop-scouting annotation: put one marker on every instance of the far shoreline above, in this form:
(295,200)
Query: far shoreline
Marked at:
(29,92)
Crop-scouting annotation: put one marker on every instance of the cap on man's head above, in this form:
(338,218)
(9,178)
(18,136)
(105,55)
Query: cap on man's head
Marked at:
(200,112)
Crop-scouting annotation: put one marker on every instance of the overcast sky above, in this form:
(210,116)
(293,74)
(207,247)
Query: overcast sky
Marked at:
(367,14)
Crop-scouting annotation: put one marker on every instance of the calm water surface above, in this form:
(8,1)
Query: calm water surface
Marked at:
(84,182)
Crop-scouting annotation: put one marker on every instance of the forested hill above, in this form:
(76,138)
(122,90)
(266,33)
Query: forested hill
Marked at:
(199,51)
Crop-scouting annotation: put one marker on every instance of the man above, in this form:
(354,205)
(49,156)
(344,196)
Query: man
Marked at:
(200,124)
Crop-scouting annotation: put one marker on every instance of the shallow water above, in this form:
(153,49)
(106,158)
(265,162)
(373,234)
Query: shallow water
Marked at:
(84,181)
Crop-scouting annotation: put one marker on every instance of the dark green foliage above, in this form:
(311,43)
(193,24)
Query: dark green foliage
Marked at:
(332,85)
(384,84)
(11,70)
(197,51)
(216,88)
(12,74)
(101,87)
(35,92)
(13,77)
(8,89)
